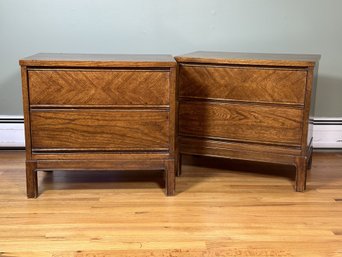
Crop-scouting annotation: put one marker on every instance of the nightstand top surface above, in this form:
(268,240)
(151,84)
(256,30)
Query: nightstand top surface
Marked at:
(98,60)
(299,60)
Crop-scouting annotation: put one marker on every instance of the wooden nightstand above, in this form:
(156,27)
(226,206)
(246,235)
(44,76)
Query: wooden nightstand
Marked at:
(255,107)
(99,112)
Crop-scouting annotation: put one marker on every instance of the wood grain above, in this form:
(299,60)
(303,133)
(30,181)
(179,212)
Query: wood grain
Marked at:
(249,103)
(128,164)
(173,115)
(198,142)
(31,179)
(301,173)
(100,129)
(223,208)
(242,83)
(99,60)
(308,120)
(98,87)
(99,112)
(236,58)
(100,155)
(26,111)
(241,122)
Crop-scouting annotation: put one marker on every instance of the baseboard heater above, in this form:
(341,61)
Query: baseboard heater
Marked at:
(12,132)
(327,133)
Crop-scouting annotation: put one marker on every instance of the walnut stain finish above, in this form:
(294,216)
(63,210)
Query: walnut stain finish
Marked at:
(99,87)
(100,130)
(243,106)
(252,123)
(258,59)
(99,60)
(223,208)
(106,112)
(243,84)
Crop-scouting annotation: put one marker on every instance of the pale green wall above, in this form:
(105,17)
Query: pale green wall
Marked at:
(173,27)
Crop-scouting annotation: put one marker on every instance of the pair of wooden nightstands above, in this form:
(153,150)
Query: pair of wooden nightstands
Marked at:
(100,112)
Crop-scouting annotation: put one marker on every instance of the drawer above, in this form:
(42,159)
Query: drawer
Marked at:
(243,83)
(255,123)
(99,87)
(99,130)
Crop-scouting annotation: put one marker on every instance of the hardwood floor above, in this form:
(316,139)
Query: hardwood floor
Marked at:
(248,210)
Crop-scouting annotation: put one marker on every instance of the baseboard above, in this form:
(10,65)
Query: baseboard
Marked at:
(327,132)
(12,132)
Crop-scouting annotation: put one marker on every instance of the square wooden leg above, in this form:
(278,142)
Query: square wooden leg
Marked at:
(301,172)
(170,168)
(31,179)
(310,160)
(179,165)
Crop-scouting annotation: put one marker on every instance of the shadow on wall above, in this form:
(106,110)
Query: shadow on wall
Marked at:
(10,94)
(329,97)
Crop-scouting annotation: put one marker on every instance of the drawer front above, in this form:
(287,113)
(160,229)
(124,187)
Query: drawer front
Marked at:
(241,122)
(243,84)
(98,87)
(99,129)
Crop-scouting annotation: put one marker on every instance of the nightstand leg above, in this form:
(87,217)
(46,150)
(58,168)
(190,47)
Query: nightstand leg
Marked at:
(310,161)
(301,172)
(31,179)
(179,165)
(170,177)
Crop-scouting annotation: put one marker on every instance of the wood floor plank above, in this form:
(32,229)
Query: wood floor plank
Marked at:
(222,208)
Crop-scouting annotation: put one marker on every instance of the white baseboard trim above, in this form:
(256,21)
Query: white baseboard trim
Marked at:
(327,132)
(12,131)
